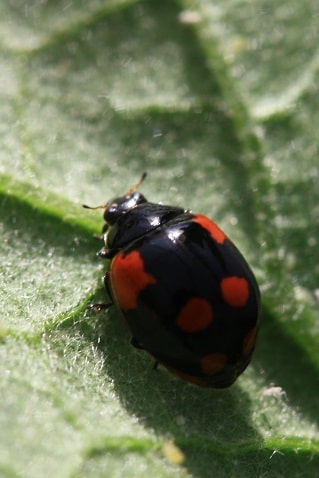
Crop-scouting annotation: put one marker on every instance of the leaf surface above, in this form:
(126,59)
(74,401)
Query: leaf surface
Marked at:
(218,102)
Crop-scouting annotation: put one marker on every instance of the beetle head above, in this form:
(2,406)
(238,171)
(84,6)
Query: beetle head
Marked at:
(117,206)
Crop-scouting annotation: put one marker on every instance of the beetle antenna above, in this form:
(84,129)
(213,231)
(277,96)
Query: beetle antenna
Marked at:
(137,185)
(94,207)
(129,192)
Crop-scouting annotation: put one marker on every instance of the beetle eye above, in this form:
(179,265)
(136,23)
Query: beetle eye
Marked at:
(112,207)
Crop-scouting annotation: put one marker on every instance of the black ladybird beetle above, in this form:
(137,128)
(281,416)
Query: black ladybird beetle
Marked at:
(187,294)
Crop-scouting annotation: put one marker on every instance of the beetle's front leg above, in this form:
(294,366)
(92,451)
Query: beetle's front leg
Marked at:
(99,307)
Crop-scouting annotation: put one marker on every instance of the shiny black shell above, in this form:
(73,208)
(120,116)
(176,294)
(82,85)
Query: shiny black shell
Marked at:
(187,294)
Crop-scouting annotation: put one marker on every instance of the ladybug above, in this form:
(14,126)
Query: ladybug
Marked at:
(186,292)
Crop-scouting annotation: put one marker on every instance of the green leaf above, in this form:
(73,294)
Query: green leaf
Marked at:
(218,102)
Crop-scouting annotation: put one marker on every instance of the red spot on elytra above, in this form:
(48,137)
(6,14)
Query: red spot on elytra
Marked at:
(216,233)
(213,363)
(128,278)
(235,291)
(195,315)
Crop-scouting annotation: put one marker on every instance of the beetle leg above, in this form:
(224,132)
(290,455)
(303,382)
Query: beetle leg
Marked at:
(104,253)
(99,307)
(107,285)
(139,346)
(99,237)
